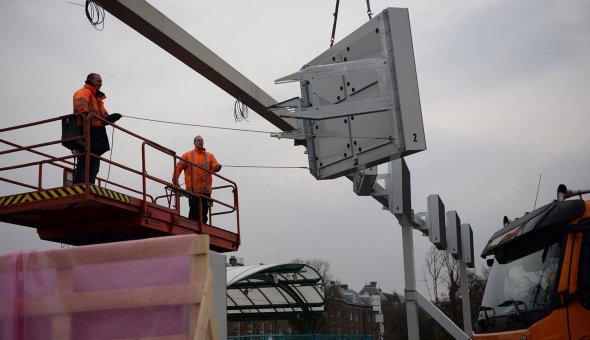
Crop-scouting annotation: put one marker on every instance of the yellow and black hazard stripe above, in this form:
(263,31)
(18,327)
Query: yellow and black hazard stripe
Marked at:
(109,194)
(60,192)
(41,195)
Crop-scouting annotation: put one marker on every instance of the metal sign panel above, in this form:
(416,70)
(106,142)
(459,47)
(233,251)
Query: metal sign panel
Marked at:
(360,99)
(400,193)
(467,245)
(376,303)
(454,234)
(436,222)
(363,181)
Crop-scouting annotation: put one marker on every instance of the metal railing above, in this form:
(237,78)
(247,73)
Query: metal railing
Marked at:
(300,337)
(61,158)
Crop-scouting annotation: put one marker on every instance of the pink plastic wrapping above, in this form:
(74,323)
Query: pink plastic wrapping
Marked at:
(134,289)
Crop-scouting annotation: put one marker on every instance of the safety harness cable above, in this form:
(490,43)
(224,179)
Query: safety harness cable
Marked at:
(280,134)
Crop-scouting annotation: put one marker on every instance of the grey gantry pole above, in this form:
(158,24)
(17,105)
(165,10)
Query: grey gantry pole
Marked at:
(465,297)
(410,282)
(398,185)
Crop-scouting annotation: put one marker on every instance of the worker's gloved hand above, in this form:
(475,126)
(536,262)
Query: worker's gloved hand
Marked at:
(113,117)
(175,181)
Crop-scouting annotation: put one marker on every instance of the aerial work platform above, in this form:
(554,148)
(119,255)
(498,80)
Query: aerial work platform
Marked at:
(81,214)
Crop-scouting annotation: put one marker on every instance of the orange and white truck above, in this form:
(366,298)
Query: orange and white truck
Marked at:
(539,281)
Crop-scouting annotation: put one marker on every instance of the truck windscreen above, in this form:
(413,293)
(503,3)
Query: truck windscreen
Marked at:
(519,292)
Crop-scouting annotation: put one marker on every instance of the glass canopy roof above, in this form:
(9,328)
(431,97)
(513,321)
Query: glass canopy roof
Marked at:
(277,291)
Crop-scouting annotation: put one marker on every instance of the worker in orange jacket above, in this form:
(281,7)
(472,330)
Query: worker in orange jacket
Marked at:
(89,99)
(197,164)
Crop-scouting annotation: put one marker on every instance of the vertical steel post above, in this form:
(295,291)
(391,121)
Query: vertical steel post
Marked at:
(467,327)
(40,178)
(143,175)
(87,156)
(410,282)
(398,184)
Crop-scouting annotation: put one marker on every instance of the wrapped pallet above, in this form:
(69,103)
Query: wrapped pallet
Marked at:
(159,288)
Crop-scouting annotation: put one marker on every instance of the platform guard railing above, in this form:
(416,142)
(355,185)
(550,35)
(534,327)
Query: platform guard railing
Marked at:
(171,193)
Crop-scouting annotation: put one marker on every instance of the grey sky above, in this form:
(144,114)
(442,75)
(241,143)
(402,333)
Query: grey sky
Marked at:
(504,91)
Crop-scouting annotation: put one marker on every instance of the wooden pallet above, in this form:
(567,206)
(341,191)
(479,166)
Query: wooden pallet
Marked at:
(158,288)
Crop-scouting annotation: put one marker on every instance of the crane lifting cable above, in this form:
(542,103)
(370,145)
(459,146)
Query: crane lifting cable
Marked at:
(332,39)
(334,25)
(369,12)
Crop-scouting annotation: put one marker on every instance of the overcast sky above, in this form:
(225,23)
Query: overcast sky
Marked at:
(504,87)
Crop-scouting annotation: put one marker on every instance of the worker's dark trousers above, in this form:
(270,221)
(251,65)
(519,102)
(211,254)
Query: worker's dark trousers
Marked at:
(194,203)
(80,172)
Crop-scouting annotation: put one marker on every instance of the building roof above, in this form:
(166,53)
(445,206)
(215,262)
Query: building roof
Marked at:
(352,297)
(370,289)
(289,290)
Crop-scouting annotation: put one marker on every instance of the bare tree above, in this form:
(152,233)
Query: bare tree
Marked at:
(477,285)
(485,272)
(331,293)
(453,283)
(433,269)
(320,265)
(443,270)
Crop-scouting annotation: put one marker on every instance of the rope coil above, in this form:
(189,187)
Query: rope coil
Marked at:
(240,111)
(95,14)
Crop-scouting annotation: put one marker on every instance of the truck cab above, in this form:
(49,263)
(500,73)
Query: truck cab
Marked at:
(539,281)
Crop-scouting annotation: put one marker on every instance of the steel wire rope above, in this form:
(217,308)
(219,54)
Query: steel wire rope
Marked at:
(334,25)
(333,38)
(266,166)
(250,130)
(216,127)
(369,12)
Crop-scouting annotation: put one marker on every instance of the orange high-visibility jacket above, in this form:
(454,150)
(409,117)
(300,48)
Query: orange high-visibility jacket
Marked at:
(89,99)
(195,178)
